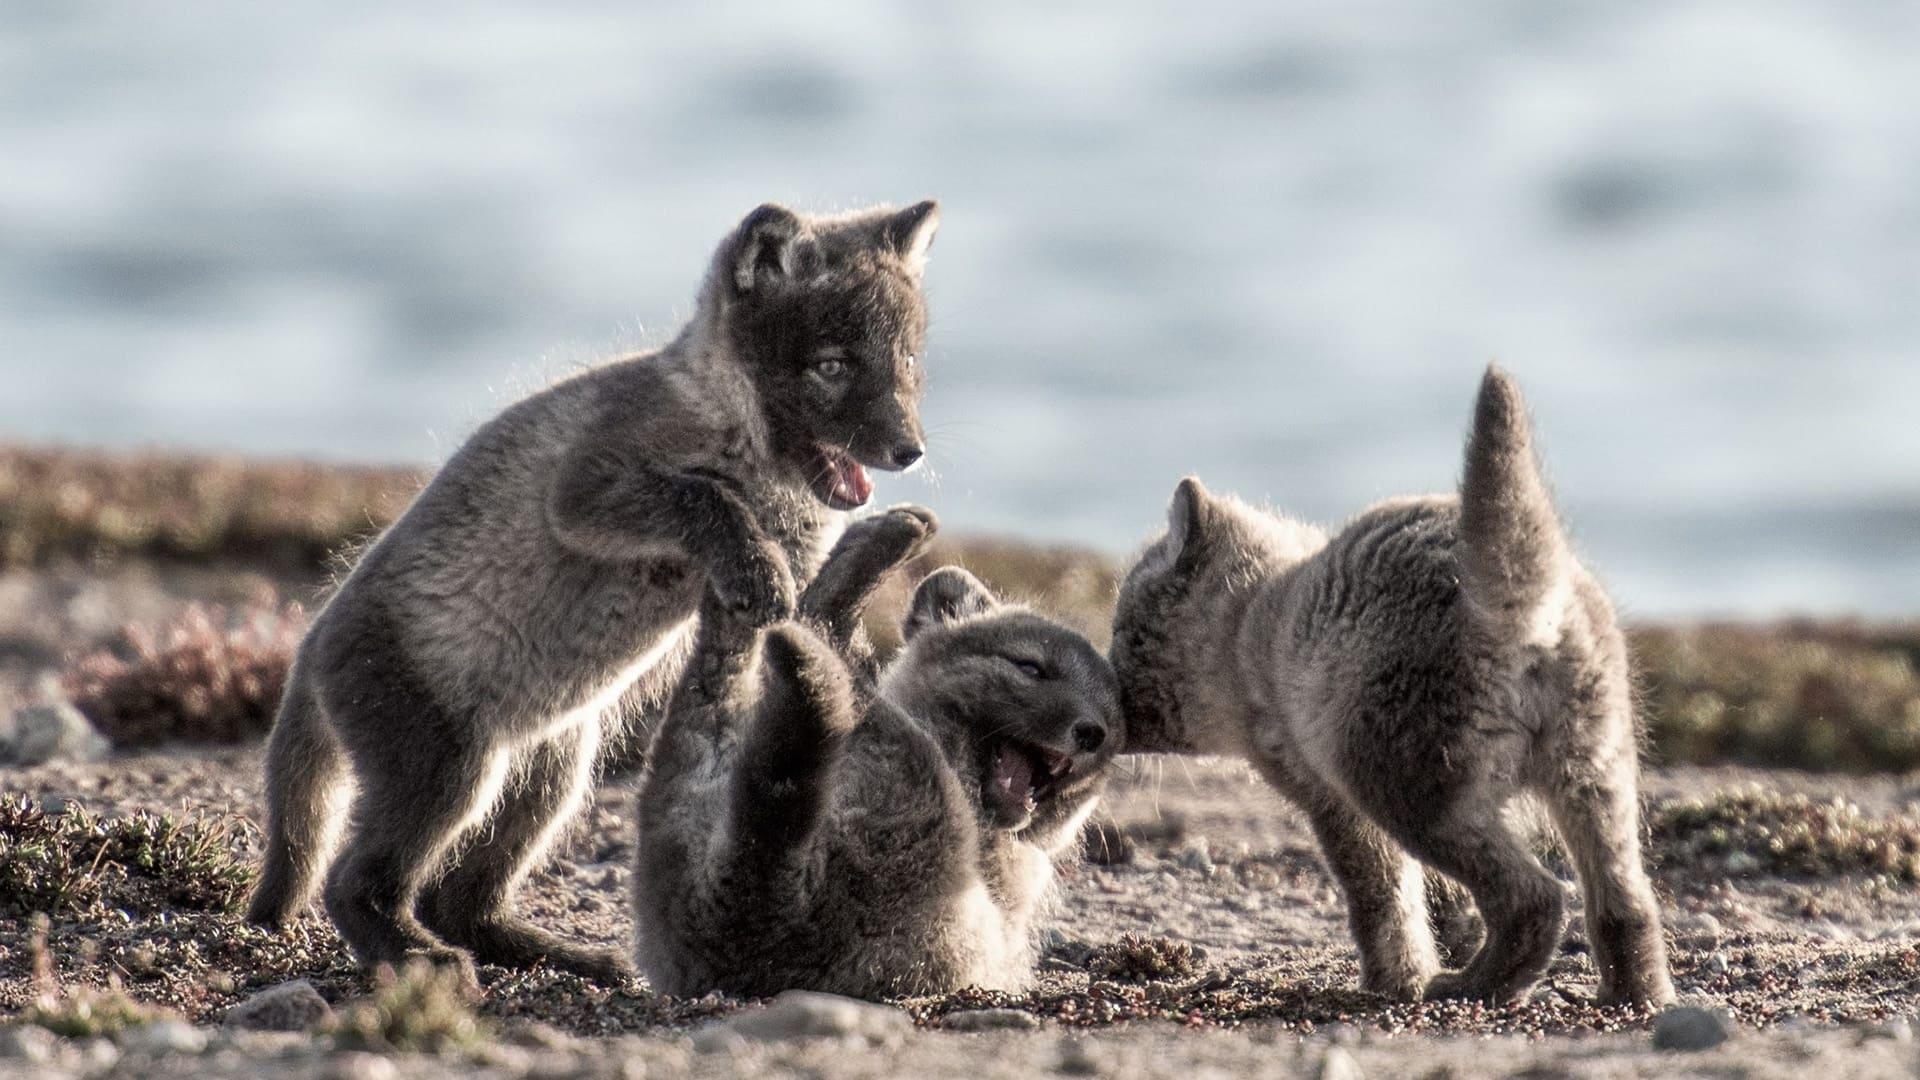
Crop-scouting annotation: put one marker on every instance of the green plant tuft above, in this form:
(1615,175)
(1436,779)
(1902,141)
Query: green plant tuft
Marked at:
(422,1010)
(75,862)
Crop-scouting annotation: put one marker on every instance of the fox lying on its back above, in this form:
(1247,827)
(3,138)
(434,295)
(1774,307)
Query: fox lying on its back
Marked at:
(1401,681)
(802,828)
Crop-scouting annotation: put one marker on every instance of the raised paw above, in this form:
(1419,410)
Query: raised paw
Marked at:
(758,589)
(894,535)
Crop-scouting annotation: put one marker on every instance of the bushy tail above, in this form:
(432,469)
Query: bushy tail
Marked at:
(305,768)
(1514,558)
(782,782)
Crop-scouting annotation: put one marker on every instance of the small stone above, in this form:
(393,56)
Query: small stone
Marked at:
(1697,930)
(290,1006)
(804,1014)
(164,1037)
(718,1039)
(1338,1065)
(98,1055)
(29,1043)
(1197,856)
(1741,863)
(1716,962)
(1079,1057)
(1686,1028)
(360,1065)
(57,731)
(991,1020)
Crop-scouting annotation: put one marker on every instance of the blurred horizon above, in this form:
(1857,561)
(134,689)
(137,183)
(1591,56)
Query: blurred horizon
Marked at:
(1272,247)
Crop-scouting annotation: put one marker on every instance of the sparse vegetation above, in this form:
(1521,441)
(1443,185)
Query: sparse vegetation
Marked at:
(1133,958)
(93,504)
(1751,830)
(1813,696)
(1796,695)
(80,1012)
(199,679)
(72,861)
(422,1009)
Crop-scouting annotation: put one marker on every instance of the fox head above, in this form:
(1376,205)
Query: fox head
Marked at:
(827,316)
(1027,709)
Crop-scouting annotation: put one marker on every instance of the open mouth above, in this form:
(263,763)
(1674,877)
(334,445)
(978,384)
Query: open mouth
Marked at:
(1023,776)
(838,480)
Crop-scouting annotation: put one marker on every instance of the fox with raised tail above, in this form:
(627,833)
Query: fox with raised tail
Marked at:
(1402,681)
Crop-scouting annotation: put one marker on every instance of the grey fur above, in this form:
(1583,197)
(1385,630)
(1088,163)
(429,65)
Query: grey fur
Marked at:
(1402,681)
(803,827)
(542,589)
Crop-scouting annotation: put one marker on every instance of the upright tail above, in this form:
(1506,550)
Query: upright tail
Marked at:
(783,778)
(305,768)
(1514,559)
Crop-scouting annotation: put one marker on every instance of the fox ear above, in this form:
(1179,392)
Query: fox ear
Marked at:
(947,595)
(910,233)
(763,247)
(1189,521)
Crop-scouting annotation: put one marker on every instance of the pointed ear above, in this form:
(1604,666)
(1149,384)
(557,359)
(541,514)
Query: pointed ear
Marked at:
(1189,521)
(763,247)
(910,233)
(947,595)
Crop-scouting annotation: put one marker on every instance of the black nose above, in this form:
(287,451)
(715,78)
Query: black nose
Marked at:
(906,454)
(1088,737)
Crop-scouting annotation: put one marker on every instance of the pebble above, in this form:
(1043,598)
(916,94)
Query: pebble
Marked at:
(718,1039)
(164,1037)
(360,1065)
(37,734)
(1197,855)
(991,1020)
(1080,1057)
(803,1014)
(29,1043)
(1338,1065)
(290,1006)
(1716,962)
(98,1055)
(1687,1028)
(1698,930)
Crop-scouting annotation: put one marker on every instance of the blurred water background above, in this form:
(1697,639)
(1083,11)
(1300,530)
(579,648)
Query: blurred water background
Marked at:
(1272,244)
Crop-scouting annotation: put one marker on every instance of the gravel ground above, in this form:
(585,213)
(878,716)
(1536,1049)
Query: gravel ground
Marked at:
(1813,974)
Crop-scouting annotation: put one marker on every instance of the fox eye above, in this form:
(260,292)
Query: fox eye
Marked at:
(831,367)
(1027,667)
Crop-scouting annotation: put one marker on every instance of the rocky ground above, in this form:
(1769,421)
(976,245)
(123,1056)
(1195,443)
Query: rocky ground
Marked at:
(1205,937)
(1200,936)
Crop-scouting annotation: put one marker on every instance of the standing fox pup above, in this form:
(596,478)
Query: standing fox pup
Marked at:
(1401,682)
(469,667)
(801,828)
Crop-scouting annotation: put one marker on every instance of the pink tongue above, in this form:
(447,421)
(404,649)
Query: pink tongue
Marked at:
(854,482)
(1013,775)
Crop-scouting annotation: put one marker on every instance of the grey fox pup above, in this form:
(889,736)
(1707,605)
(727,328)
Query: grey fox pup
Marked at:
(543,587)
(803,827)
(1401,681)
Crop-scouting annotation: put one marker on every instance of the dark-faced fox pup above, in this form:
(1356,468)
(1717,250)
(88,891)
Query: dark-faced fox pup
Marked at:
(544,585)
(1402,681)
(801,827)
